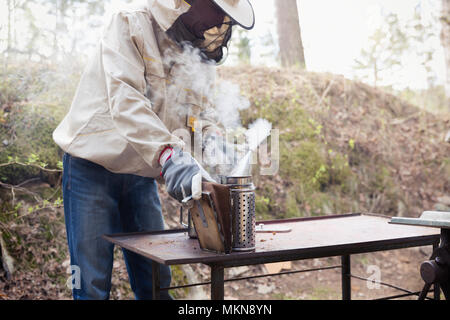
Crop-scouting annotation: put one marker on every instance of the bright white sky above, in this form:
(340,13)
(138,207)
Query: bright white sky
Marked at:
(333,31)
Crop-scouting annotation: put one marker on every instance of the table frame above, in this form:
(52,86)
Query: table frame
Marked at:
(217,265)
(218,280)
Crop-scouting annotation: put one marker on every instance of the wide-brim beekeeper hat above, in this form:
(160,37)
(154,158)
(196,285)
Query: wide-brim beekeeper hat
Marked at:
(241,11)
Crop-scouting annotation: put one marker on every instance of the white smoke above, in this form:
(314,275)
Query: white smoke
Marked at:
(190,76)
(258,132)
(228,102)
(222,101)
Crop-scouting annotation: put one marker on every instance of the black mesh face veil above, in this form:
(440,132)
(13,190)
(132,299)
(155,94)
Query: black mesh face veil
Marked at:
(206,27)
(217,54)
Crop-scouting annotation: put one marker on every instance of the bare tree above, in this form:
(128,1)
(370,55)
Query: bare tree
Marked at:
(289,34)
(445,40)
(385,50)
(10,13)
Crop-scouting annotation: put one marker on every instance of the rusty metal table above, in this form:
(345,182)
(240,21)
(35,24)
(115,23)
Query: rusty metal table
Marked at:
(316,237)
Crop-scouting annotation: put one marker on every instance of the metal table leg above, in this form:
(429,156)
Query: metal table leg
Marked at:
(346,278)
(156,282)
(437,289)
(217,282)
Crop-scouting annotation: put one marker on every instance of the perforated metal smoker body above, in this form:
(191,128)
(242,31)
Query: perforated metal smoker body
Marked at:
(243,213)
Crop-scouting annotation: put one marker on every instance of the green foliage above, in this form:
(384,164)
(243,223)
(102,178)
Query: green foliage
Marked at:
(34,98)
(179,279)
(395,42)
(433,99)
(446,166)
(385,50)
(339,171)
(292,206)
(282,296)
(262,207)
(38,39)
(267,204)
(423,36)
(323,293)
(27,231)
(305,165)
(244,52)
(33,144)
(308,167)
(351,143)
(381,179)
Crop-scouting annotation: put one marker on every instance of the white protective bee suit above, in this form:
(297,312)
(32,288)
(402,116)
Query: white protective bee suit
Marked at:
(135,92)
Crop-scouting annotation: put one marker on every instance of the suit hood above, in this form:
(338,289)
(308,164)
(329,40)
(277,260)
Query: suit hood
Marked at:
(165,12)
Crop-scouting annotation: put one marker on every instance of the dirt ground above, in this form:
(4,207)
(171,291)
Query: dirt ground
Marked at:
(399,268)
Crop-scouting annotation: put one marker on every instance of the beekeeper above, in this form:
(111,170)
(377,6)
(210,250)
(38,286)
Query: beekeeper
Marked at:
(118,136)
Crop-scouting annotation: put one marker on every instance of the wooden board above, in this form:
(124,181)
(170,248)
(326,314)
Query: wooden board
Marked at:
(206,226)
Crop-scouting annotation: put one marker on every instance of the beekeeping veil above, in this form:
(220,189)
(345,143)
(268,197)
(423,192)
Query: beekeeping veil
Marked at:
(207,25)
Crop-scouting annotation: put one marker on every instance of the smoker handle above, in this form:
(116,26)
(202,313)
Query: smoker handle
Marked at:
(187,203)
(181,218)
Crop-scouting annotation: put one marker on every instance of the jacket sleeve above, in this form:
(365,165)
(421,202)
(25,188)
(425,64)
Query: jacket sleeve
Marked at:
(130,109)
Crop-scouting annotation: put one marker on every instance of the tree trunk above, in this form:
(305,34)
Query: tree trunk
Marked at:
(445,40)
(9,41)
(289,34)
(6,261)
(375,73)
(55,34)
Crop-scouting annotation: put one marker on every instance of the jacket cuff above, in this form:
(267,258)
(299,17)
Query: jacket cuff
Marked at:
(166,154)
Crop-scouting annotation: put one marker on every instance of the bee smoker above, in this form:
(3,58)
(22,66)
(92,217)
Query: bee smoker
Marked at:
(243,216)
(224,226)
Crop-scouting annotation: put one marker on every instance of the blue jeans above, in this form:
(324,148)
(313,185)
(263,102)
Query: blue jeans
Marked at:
(98,202)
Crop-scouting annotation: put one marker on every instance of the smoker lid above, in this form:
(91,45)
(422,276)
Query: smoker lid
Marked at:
(436,219)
